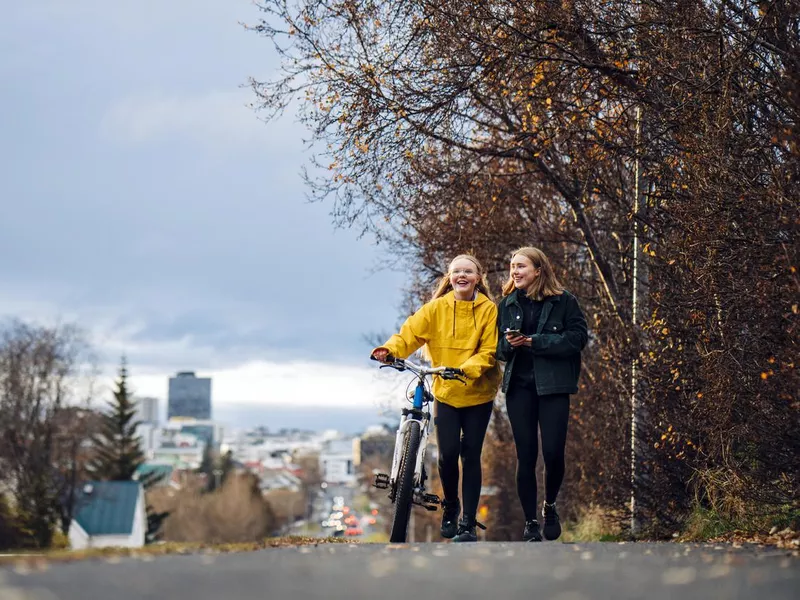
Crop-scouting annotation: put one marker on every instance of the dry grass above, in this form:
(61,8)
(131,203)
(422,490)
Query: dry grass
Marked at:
(377,537)
(235,513)
(594,524)
(287,505)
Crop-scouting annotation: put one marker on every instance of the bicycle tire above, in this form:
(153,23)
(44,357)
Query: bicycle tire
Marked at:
(405,484)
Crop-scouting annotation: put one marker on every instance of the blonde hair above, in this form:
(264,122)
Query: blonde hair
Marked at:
(444,285)
(546,284)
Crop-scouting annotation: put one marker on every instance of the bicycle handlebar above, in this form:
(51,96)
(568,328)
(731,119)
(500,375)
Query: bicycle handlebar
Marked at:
(404,364)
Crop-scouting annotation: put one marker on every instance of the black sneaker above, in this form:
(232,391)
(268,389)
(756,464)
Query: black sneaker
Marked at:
(466,531)
(450,512)
(552,525)
(532,533)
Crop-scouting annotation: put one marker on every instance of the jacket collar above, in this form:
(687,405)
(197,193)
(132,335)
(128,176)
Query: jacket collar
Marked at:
(513,297)
(450,297)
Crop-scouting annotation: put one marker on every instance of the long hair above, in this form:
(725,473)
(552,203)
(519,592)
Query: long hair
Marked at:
(546,284)
(444,285)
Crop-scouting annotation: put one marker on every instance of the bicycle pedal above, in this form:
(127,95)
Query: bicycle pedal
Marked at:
(431,499)
(381,481)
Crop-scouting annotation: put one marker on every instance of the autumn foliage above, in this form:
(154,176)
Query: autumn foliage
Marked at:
(649,148)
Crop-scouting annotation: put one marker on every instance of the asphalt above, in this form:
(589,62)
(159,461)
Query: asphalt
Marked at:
(491,571)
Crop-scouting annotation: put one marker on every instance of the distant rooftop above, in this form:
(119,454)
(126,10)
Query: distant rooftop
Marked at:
(107,507)
(154,470)
(339,446)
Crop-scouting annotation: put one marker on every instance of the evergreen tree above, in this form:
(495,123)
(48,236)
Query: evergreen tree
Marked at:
(216,468)
(207,467)
(227,467)
(117,447)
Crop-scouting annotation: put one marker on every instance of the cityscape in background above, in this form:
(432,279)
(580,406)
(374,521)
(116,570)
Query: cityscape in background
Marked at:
(280,457)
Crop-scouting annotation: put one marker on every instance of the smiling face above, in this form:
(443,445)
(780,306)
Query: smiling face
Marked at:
(523,273)
(464,277)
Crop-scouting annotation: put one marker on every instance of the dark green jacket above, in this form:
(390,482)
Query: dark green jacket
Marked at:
(561,335)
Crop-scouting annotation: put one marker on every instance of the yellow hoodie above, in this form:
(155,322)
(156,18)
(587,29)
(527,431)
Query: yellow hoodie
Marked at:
(460,334)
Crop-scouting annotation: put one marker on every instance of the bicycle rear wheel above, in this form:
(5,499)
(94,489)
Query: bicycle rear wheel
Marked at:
(405,484)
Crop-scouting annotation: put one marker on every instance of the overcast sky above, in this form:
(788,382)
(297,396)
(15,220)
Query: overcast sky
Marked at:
(142,199)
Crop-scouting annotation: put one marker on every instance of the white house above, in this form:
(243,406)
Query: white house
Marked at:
(109,513)
(336,461)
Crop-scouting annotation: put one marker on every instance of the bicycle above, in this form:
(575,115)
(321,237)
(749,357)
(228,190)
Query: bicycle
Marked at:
(406,480)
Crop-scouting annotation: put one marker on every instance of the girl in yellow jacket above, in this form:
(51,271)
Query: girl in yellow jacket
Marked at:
(459,327)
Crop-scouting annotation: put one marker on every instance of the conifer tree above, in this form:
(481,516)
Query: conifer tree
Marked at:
(118,450)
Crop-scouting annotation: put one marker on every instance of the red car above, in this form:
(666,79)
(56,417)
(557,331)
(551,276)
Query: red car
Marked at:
(353,530)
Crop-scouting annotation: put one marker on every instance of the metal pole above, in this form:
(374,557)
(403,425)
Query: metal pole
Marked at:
(634,312)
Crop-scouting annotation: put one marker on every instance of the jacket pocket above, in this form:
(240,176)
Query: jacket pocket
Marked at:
(545,373)
(513,322)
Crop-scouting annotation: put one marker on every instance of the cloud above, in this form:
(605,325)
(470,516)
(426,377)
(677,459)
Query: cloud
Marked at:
(212,118)
(159,212)
(299,384)
(176,338)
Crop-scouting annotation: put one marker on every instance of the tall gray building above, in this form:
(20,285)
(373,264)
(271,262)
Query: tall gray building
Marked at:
(189,396)
(147,410)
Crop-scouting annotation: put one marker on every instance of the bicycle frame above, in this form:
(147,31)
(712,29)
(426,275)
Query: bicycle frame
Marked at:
(423,418)
(418,413)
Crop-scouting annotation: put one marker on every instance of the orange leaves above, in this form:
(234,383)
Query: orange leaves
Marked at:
(538,77)
(363,147)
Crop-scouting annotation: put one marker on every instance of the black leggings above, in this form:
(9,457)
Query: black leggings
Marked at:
(450,423)
(528,411)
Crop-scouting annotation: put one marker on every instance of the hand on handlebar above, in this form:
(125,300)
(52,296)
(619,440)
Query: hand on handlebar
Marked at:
(454,374)
(382,355)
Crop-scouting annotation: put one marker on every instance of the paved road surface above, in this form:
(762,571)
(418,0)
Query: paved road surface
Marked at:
(492,571)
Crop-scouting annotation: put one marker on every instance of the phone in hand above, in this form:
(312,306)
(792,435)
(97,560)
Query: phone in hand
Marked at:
(514,332)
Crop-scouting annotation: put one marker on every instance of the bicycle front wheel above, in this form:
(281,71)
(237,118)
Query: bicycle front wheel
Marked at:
(405,484)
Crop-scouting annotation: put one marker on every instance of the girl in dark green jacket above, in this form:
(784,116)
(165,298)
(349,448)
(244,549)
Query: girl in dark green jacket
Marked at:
(542,351)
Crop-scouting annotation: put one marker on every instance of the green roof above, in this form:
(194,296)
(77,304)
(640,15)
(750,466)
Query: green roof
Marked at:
(158,471)
(107,507)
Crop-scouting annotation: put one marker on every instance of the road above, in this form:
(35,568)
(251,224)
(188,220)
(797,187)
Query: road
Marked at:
(485,570)
(319,504)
